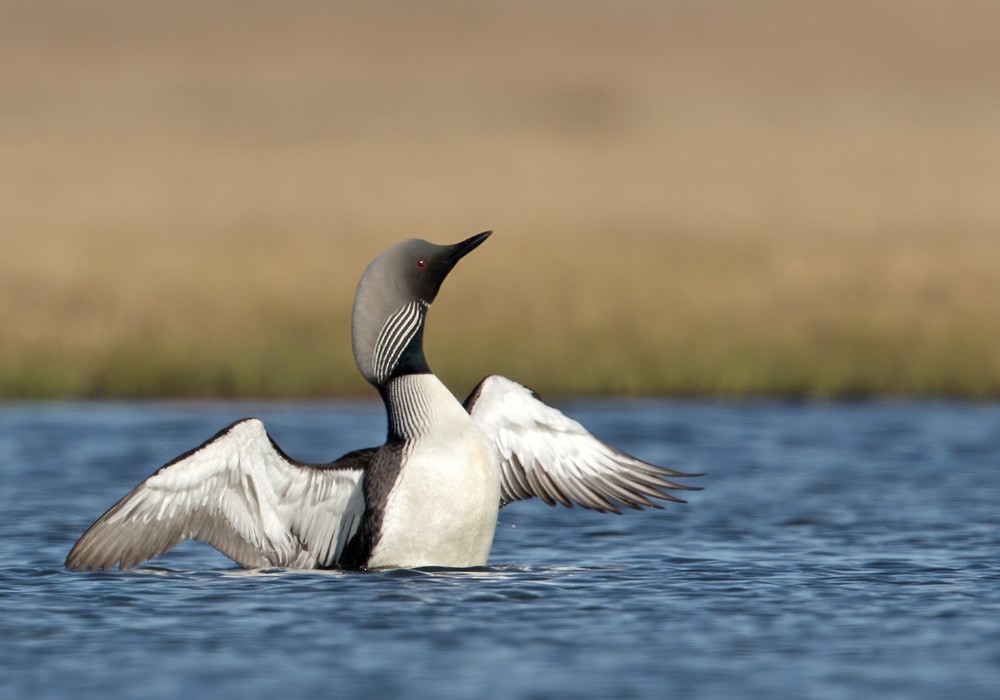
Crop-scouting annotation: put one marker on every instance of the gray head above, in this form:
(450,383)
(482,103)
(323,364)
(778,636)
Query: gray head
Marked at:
(387,322)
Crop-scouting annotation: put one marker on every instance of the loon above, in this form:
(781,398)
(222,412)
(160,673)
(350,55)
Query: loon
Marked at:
(429,496)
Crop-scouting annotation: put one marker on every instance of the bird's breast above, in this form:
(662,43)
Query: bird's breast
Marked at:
(442,508)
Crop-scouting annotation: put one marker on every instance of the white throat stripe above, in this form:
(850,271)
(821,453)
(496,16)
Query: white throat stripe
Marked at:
(395,335)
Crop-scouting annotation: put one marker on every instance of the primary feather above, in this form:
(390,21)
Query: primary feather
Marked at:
(239,493)
(545,453)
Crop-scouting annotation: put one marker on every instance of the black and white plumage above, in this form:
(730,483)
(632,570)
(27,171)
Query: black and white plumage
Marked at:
(428,497)
(545,453)
(240,493)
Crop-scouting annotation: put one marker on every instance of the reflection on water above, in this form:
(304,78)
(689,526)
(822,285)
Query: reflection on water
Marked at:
(838,550)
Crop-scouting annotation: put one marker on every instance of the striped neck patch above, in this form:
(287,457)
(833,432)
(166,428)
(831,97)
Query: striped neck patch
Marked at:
(395,335)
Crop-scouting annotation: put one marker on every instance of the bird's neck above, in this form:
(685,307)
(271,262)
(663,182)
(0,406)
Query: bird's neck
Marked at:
(395,349)
(418,404)
(412,359)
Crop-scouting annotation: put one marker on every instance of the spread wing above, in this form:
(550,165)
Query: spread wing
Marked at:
(241,494)
(544,453)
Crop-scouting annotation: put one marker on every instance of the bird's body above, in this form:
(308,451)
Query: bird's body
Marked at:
(428,496)
(442,508)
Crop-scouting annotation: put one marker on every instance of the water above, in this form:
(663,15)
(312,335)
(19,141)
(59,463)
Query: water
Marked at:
(838,551)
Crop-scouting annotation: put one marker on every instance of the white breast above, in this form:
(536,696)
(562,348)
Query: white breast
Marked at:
(442,510)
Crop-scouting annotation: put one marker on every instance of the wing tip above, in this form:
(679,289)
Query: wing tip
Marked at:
(91,554)
(80,563)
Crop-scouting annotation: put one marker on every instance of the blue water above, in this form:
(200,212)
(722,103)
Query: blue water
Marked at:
(837,551)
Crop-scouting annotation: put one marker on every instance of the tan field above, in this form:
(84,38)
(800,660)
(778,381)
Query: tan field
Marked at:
(720,197)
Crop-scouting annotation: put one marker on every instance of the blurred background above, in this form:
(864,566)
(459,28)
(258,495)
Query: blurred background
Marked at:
(690,197)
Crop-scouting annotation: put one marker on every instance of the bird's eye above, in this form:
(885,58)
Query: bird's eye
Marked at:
(421,264)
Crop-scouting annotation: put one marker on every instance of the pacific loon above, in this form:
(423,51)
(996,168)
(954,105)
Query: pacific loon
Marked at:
(429,496)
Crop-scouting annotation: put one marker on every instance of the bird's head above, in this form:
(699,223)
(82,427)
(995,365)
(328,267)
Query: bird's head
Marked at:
(387,321)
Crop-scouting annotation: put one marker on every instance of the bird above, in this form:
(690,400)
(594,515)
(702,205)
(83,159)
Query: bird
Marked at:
(428,497)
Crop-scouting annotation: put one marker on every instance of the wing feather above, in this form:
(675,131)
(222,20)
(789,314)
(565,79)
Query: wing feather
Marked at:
(546,454)
(239,493)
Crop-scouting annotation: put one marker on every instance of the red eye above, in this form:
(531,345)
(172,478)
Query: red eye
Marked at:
(421,264)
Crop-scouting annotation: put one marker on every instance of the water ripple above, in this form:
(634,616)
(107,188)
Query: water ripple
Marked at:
(838,551)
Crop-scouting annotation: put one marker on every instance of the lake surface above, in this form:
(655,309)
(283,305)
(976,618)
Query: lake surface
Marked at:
(838,551)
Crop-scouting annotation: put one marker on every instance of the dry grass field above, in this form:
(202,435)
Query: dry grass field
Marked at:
(694,197)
